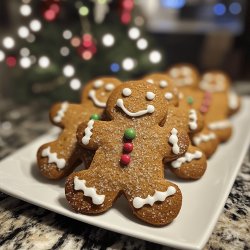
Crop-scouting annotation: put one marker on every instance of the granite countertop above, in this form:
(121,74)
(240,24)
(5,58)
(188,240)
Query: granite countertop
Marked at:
(25,226)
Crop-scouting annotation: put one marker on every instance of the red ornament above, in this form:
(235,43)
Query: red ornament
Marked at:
(49,15)
(11,61)
(125,159)
(128,147)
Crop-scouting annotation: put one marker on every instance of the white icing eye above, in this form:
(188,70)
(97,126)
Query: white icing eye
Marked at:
(98,83)
(150,96)
(208,77)
(168,96)
(109,86)
(163,84)
(150,81)
(186,71)
(174,72)
(126,92)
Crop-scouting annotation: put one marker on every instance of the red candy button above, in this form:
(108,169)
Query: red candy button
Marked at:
(125,159)
(128,147)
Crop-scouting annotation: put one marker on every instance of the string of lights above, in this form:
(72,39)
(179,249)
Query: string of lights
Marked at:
(80,47)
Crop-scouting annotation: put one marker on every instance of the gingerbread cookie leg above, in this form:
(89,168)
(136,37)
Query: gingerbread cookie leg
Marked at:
(157,203)
(90,195)
(190,166)
(54,162)
(207,141)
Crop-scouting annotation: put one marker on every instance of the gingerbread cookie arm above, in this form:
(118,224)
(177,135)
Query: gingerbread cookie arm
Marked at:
(195,121)
(192,165)
(157,203)
(176,142)
(90,134)
(58,158)
(234,102)
(57,113)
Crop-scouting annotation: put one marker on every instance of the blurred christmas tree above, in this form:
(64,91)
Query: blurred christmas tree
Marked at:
(59,45)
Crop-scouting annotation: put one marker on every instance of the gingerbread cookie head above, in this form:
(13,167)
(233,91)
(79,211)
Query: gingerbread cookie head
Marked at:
(184,75)
(96,92)
(215,81)
(166,85)
(137,100)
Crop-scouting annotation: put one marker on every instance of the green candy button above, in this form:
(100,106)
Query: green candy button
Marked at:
(190,100)
(130,134)
(95,117)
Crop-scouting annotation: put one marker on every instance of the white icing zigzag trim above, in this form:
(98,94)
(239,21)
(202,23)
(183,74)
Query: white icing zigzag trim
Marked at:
(60,113)
(97,199)
(203,138)
(173,139)
(188,157)
(219,125)
(232,100)
(139,202)
(95,100)
(150,109)
(88,132)
(52,158)
(193,119)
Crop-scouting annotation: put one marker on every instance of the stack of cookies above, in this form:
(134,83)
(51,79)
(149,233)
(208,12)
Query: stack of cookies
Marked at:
(127,133)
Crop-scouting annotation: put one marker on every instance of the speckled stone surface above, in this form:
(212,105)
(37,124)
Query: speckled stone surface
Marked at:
(25,226)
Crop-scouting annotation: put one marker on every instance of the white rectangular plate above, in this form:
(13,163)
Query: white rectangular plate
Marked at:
(203,200)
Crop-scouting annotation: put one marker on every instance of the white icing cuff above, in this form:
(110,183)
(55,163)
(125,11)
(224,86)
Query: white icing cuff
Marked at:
(203,138)
(139,202)
(188,157)
(60,113)
(219,125)
(232,100)
(88,132)
(193,119)
(173,139)
(52,158)
(97,199)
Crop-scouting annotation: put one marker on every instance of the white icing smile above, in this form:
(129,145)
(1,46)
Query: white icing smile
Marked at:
(150,109)
(92,95)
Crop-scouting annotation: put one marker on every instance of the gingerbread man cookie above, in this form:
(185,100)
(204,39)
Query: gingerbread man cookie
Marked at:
(193,164)
(219,103)
(128,159)
(58,159)
(191,97)
(184,75)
